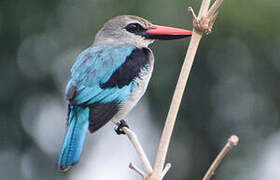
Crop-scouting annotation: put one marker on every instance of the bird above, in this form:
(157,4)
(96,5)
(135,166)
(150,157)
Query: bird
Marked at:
(109,78)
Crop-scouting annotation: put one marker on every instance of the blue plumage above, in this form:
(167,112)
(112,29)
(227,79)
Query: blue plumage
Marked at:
(74,139)
(94,67)
(89,95)
(109,78)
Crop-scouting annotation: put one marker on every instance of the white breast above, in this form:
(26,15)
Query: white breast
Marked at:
(139,90)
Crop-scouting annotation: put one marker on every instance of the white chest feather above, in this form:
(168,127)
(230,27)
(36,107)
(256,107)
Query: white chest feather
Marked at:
(141,84)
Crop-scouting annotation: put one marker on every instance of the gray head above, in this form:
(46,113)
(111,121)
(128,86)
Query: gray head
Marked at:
(136,31)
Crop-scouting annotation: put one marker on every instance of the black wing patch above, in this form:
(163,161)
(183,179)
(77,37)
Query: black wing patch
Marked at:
(101,113)
(129,70)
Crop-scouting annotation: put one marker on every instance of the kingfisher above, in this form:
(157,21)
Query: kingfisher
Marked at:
(109,78)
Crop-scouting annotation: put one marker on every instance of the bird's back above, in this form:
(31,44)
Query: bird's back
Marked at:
(109,76)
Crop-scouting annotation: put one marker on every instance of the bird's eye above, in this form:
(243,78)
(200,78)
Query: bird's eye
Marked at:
(134,28)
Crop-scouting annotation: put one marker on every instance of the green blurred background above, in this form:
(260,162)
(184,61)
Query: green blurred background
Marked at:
(233,89)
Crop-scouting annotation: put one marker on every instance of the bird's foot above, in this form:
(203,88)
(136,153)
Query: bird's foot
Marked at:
(122,124)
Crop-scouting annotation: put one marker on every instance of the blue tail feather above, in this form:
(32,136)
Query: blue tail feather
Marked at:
(75,137)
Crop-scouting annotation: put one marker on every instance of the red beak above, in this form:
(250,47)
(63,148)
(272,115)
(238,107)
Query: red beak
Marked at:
(166,33)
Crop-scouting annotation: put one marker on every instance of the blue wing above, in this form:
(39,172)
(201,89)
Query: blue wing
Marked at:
(94,67)
(102,77)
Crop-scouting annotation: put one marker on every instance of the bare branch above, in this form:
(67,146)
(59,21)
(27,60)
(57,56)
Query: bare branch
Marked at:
(202,24)
(190,9)
(232,141)
(134,140)
(203,8)
(214,8)
(136,169)
(165,170)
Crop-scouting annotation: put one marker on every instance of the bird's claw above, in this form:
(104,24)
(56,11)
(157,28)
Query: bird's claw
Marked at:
(122,124)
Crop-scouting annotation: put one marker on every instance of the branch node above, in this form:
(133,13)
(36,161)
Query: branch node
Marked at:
(137,170)
(204,24)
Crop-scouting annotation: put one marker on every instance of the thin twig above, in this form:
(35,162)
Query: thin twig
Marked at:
(203,8)
(214,7)
(134,140)
(232,141)
(136,169)
(176,101)
(190,9)
(201,23)
(166,169)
